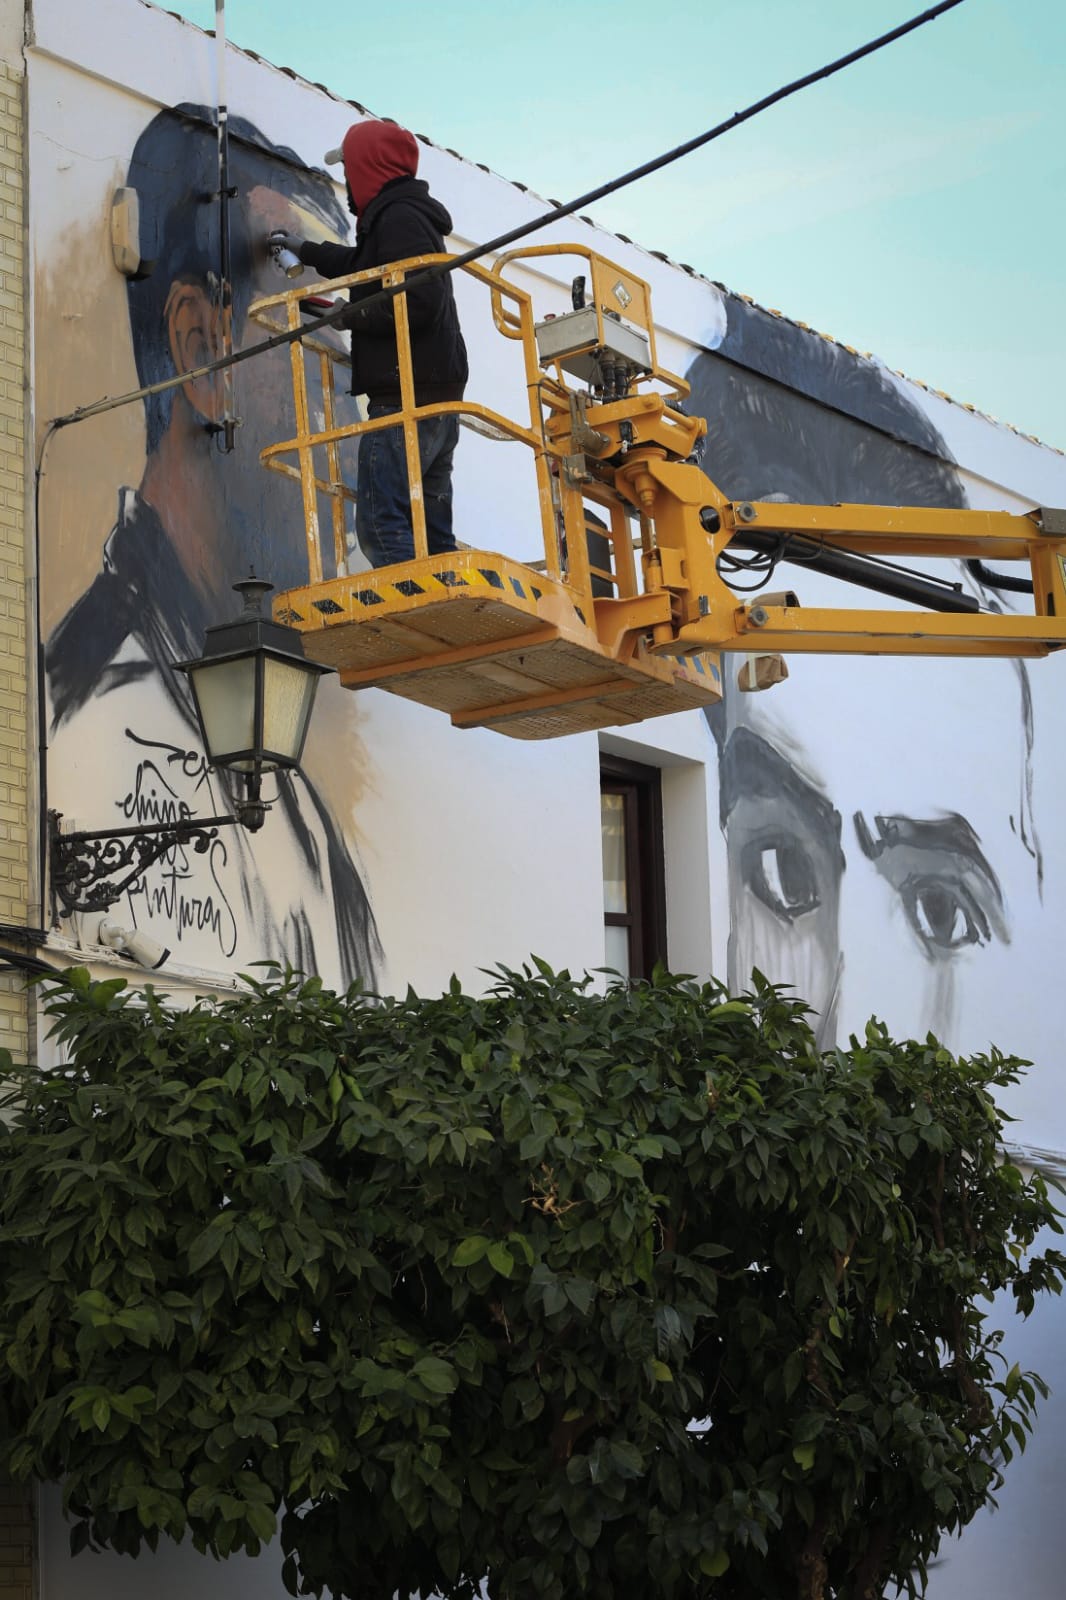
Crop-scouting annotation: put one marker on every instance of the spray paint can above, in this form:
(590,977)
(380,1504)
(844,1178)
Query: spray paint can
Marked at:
(284,259)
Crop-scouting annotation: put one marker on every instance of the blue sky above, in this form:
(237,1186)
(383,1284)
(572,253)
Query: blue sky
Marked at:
(913,205)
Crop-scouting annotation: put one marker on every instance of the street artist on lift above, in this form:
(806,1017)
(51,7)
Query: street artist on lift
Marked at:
(397,217)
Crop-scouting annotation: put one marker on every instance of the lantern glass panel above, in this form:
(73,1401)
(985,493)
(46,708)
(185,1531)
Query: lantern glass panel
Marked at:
(225,694)
(288,695)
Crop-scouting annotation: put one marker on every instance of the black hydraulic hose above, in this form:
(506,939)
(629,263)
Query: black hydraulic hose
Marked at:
(856,569)
(1005,581)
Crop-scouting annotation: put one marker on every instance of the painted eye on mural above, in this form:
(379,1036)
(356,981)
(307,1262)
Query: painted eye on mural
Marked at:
(781,874)
(943,913)
(949,892)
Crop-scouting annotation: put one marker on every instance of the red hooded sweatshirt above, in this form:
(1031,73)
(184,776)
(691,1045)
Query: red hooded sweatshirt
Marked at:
(406,222)
(374,153)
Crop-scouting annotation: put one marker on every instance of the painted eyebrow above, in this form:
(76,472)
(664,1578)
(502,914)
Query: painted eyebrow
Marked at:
(751,769)
(948,835)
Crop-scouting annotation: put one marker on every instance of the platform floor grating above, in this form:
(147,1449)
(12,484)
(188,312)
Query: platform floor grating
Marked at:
(480,640)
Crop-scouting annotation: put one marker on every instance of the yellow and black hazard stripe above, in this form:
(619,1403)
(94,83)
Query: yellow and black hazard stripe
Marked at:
(701,665)
(377,591)
(373,589)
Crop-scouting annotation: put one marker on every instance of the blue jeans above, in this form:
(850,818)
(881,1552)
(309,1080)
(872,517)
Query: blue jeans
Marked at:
(383,499)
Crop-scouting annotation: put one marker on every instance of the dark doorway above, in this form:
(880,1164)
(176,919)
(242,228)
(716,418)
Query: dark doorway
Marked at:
(634,875)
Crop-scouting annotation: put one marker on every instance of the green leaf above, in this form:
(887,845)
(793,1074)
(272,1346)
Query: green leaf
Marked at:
(580,1294)
(555,1299)
(626,1459)
(501,1259)
(261,1520)
(623,1164)
(597,1185)
(204,1248)
(435,1375)
(470,1250)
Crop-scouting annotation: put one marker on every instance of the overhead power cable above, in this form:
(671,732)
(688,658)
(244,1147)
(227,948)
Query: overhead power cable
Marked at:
(338,316)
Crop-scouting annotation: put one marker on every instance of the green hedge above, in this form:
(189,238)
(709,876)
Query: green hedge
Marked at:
(626,1294)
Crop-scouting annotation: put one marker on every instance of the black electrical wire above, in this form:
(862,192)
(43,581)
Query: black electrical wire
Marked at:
(759,561)
(19,960)
(30,965)
(424,275)
(22,933)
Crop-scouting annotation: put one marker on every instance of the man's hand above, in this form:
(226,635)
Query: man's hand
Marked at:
(280,240)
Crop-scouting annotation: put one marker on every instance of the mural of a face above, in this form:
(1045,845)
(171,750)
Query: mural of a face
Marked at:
(242,513)
(866,866)
(199,519)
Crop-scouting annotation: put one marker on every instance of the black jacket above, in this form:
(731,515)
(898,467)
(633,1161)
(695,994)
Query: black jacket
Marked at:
(402,220)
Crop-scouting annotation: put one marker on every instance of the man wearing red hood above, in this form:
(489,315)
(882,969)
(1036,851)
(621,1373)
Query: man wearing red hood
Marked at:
(397,217)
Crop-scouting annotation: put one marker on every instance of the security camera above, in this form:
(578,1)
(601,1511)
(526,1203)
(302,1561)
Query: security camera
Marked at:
(132,942)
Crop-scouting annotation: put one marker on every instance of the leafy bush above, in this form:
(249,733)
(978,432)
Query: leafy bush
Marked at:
(599,1295)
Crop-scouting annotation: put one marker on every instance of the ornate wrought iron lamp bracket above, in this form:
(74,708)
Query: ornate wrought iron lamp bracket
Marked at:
(253,690)
(90,871)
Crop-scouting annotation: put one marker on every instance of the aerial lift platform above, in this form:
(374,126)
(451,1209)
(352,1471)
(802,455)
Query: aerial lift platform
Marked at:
(582,636)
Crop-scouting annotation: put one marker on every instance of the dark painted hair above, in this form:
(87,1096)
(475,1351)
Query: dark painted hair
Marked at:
(174,169)
(790,413)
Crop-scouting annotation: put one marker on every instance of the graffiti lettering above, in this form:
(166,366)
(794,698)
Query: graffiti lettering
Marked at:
(191,764)
(151,799)
(167,897)
(166,891)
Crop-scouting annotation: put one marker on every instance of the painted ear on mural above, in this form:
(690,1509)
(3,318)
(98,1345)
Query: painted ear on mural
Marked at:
(194,334)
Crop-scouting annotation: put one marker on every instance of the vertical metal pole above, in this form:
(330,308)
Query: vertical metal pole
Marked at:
(550,508)
(1049,580)
(624,568)
(575,527)
(225,194)
(410,426)
(303,446)
(336,485)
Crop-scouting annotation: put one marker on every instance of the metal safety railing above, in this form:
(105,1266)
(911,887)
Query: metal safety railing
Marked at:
(309,439)
(555,412)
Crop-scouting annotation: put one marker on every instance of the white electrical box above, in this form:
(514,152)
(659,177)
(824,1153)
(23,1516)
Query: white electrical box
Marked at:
(573,340)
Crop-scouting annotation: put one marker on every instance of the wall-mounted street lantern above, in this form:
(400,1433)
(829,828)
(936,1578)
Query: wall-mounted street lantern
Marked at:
(254,691)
